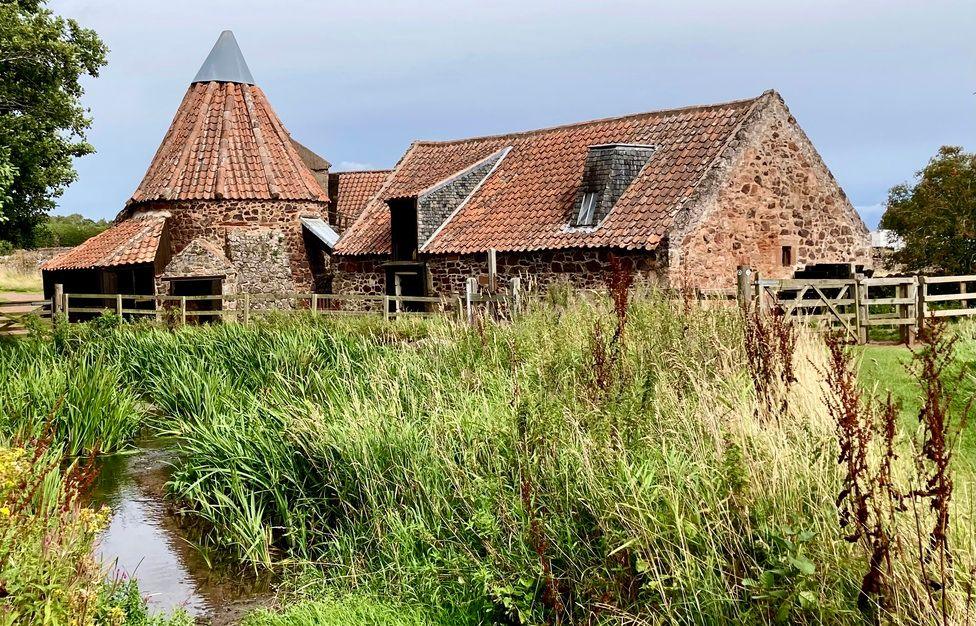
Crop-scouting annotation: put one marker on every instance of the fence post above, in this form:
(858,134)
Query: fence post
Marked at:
(469,289)
(247,308)
(386,307)
(910,312)
(516,293)
(118,304)
(923,292)
(862,309)
(743,283)
(67,306)
(315,304)
(57,300)
(183,310)
(492,270)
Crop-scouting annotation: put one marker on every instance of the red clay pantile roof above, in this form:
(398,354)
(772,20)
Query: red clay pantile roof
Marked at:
(525,203)
(226,142)
(351,191)
(127,243)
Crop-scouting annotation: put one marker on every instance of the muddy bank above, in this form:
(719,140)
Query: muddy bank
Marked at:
(145,541)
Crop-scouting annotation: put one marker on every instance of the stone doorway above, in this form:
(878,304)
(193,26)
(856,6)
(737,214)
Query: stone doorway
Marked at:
(406,279)
(190,287)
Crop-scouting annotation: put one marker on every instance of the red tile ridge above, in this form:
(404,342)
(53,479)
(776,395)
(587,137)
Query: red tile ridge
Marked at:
(603,120)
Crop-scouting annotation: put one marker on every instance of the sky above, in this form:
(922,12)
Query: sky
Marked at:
(878,86)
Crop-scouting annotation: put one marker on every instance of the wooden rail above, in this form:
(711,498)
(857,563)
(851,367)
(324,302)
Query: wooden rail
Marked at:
(245,307)
(856,305)
(16,315)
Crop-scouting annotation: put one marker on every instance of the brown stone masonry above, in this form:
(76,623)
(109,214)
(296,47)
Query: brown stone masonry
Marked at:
(774,206)
(584,269)
(277,230)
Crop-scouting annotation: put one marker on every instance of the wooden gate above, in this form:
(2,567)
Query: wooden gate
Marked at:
(830,303)
(15,313)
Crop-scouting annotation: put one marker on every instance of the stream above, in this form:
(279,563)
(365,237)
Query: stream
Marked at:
(146,542)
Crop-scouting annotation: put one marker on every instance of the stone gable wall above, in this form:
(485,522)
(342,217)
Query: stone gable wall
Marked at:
(775,192)
(198,260)
(271,258)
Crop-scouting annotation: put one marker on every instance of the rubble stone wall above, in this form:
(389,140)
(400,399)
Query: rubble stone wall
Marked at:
(773,192)
(446,274)
(279,260)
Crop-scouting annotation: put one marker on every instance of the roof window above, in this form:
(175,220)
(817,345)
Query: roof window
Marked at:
(587,209)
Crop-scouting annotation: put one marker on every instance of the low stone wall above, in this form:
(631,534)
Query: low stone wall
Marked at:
(29,261)
(580,268)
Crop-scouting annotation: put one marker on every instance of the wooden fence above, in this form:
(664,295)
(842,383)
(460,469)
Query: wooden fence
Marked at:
(866,309)
(245,307)
(15,315)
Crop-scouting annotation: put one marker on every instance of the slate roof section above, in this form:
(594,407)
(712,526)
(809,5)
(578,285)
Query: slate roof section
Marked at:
(352,191)
(226,142)
(225,63)
(129,242)
(526,203)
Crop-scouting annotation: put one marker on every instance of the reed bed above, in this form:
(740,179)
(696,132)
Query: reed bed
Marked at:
(562,468)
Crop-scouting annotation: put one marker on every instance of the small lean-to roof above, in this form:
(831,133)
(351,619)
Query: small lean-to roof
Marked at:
(525,203)
(226,142)
(354,190)
(130,242)
(321,230)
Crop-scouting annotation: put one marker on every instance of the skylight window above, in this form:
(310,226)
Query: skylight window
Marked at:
(587,209)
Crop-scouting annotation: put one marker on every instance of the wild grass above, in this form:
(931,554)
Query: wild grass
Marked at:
(78,398)
(19,280)
(344,610)
(516,472)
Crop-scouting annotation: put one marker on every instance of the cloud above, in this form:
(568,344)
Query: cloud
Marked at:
(353,166)
(871,214)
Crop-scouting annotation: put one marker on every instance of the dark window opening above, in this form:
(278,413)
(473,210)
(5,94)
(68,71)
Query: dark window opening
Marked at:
(403,229)
(406,280)
(787,256)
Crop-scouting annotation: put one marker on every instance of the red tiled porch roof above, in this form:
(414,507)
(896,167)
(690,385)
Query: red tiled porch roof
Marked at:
(130,242)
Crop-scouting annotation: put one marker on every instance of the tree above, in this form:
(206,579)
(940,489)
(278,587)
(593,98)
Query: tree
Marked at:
(936,217)
(42,122)
(68,230)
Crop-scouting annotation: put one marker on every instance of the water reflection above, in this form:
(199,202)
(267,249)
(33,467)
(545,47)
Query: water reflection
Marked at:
(144,542)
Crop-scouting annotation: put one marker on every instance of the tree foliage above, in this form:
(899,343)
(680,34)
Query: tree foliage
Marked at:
(936,217)
(68,230)
(42,122)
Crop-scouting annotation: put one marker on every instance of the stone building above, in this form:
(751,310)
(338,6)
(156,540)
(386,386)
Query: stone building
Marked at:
(684,195)
(230,203)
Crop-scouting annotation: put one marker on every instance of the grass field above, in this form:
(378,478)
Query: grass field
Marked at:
(887,369)
(18,281)
(533,472)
